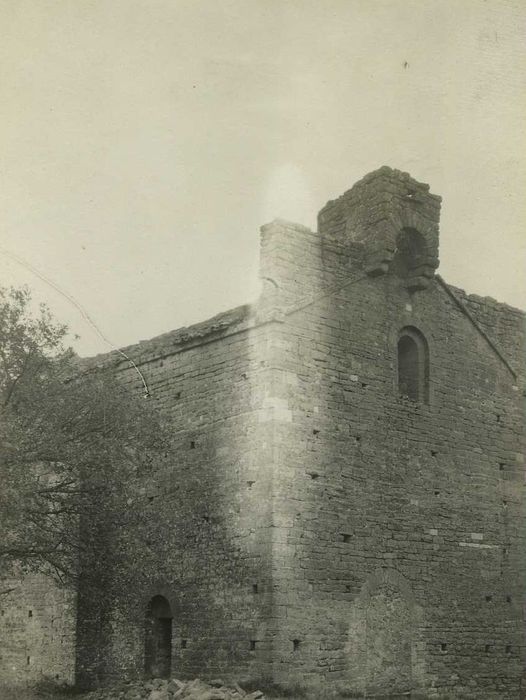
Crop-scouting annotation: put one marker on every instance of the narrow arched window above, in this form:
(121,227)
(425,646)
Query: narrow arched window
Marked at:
(413,365)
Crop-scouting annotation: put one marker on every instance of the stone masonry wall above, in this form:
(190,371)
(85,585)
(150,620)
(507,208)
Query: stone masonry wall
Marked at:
(399,530)
(37,631)
(383,535)
(206,544)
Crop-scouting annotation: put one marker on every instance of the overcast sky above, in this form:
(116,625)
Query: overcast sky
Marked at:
(143,142)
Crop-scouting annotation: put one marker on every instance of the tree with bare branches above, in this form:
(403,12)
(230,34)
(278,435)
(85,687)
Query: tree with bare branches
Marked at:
(71,442)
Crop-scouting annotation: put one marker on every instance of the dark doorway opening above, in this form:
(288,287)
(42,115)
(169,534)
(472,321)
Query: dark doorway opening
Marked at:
(158,638)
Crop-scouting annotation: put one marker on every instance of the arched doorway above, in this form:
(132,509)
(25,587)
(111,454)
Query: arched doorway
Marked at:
(389,635)
(384,648)
(158,638)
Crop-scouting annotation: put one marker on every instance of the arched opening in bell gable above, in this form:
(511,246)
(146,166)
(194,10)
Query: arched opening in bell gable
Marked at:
(410,253)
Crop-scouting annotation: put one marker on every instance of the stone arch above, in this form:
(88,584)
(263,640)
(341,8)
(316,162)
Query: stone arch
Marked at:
(411,253)
(384,651)
(406,245)
(388,576)
(407,218)
(158,638)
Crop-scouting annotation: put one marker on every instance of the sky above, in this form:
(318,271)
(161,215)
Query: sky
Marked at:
(144,142)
